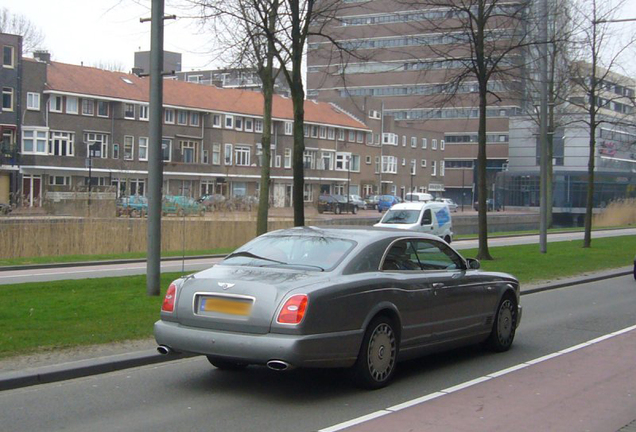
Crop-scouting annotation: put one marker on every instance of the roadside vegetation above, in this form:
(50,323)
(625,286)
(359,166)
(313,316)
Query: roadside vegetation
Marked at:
(60,314)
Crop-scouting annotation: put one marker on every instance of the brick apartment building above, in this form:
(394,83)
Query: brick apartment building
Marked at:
(10,75)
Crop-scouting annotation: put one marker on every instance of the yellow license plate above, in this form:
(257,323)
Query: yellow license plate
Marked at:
(226,306)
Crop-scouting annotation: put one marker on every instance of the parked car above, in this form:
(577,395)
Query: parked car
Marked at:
(336,204)
(212,201)
(371,202)
(358,201)
(132,206)
(5,209)
(359,298)
(490,205)
(431,217)
(181,206)
(452,205)
(386,201)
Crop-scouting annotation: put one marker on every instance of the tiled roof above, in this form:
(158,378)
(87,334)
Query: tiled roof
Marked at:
(94,82)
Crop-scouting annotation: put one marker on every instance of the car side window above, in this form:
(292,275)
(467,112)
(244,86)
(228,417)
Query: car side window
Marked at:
(401,256)
(427,219)
(434,255)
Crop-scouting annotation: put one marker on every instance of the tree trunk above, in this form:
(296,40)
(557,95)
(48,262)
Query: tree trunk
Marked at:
(263,201)
(482,209)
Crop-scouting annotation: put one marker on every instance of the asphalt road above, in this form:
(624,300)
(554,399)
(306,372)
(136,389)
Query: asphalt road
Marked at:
(108,270)
(192,395)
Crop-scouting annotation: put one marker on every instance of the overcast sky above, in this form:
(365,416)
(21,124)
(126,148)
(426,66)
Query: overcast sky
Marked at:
(109,32)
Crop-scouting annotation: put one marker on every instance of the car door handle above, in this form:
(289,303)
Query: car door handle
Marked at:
(438,285)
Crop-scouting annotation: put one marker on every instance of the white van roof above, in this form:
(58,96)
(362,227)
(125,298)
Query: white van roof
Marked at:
(418,205)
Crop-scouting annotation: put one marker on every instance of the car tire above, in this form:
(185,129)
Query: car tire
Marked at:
(377,359)
(337,210)
(355,210)
(504,326)
(226,365)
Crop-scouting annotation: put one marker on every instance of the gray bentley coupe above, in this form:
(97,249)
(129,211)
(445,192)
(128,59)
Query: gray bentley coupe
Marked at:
(359,298)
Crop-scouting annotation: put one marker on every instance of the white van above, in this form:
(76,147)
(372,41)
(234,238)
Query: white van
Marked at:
(418,197)
(427,217)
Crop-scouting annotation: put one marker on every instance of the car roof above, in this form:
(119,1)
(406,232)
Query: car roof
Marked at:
(359,234)
(416,205)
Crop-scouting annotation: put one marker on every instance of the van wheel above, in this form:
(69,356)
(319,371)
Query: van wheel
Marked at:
(355,210)
(337,210)
(447,239)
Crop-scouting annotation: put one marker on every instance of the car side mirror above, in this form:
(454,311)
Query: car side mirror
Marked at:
(473,264)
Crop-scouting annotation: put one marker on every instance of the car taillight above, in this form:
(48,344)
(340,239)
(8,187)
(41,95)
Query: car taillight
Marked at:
(293,310)
(168,301)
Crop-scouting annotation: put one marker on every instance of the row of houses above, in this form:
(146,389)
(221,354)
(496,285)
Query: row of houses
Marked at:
(67,126)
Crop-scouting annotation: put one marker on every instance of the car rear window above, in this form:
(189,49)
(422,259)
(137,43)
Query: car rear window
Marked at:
(307,252)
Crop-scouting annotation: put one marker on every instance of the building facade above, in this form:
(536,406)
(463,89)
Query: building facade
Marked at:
(10,75)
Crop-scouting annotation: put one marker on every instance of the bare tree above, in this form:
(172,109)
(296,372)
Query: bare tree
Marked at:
(594,91)
(32,36)
(109,65)
(482,41)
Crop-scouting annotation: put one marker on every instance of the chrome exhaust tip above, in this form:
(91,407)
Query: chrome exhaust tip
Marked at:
(279,365)
(165,350)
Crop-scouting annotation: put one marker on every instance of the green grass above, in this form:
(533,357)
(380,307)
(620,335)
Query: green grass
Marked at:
(561,260)
(37,316)
(104,257)
(77,312)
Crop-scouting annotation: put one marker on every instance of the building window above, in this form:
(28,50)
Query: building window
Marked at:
(389,164)
(258,126)
(368,160)
(442,144)
(71,105)
(413,142)
(442,168)
(115,151)
(289,128)
(423,163)
(7,99)
(33,101)
(288,157)
(143,148)
(249,125)
(143,112)
(8,56)
(55,104)
(168,116)
(98,144)
(166,149)
(205,157)
(331,133)
(238,123)
(189,151)
(352,136)
(61,144)
(278,160)
(228,154)
(360,137)
(59,180)
(216,120)
(354,163)
(434,168)
(306,131)
(413,167)
(377,164)
(216,154)
(403,161)
(182,117)
(341,134)
(129,111)
(424,143)
(308,193)
(102,108)
(323,132)
(34,141)
(434,144)
(129,147)
(242,155)
(229,122)
(88,107)
(343,161)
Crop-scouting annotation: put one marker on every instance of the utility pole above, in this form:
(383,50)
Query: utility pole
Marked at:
(543,127)
(155,153)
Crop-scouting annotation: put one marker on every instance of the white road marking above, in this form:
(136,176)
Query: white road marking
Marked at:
(471,383)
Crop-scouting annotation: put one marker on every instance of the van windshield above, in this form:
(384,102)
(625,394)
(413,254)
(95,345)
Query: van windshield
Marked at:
(401,217)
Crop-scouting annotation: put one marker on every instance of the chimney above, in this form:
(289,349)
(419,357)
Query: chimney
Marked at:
(43,56)
(137,71)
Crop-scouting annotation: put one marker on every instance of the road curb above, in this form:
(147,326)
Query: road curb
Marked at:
(82,368)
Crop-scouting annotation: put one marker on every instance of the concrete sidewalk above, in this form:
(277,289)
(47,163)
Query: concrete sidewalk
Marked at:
(85,361)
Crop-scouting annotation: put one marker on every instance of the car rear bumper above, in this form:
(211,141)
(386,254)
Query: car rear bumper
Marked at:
(323,350)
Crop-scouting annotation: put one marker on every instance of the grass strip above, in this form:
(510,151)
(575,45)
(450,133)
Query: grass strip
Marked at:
(105,257)
(44,316)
